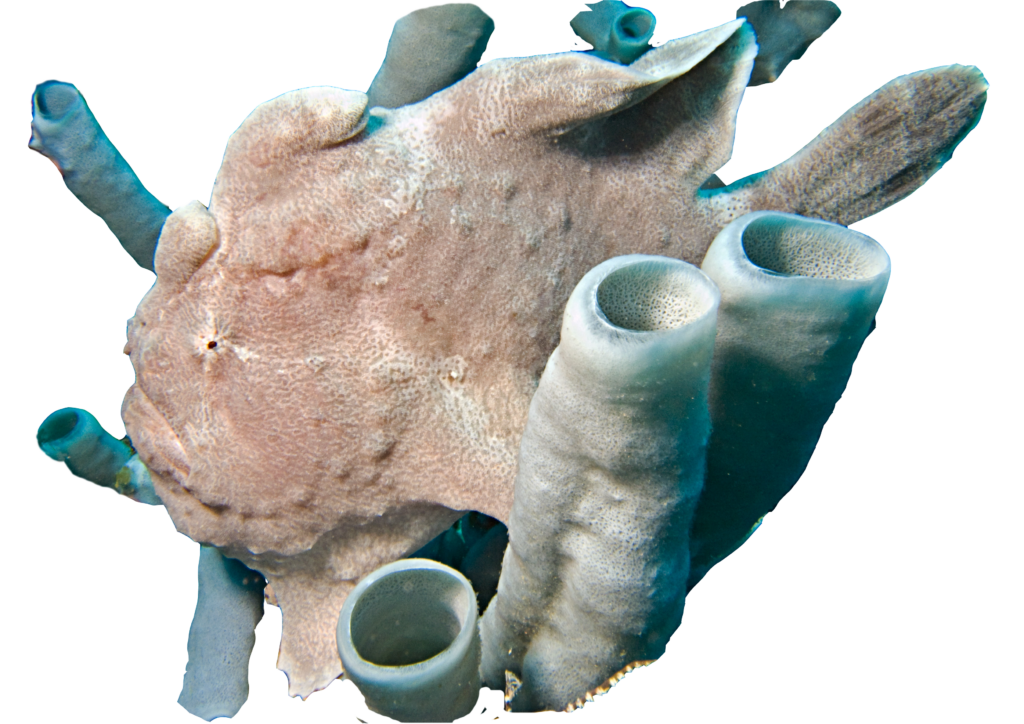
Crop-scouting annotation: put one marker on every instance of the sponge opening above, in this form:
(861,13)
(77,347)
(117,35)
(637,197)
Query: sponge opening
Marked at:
(807,248)
(651,296)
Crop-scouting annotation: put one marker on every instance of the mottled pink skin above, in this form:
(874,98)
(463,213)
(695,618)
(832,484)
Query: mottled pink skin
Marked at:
(338,356)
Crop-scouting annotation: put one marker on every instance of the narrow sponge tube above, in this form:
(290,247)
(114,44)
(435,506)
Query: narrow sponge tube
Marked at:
(65,131)
(618,32)
(429,50)
(407,637)
(222,636)
(799,297)
(76,438)
(610,468)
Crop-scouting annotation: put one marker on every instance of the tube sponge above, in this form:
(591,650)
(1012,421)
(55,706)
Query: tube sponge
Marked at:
(407,637)
(785,33)
(76,438)
(799,297)
(610,468)
(65,131)
(221,637)
(618,32)
(429,50)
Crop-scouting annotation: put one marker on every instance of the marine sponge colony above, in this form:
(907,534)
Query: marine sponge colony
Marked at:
(468,299)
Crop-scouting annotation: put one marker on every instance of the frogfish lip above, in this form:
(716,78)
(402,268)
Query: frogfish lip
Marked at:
(154,439)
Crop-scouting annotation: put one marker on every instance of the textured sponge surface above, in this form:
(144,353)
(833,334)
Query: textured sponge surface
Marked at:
(647,297)
(801,247)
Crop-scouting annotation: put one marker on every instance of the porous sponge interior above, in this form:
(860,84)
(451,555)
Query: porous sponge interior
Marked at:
(810,248)
(651,296)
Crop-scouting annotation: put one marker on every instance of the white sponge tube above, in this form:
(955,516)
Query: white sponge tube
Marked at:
(799,297)
(610,468)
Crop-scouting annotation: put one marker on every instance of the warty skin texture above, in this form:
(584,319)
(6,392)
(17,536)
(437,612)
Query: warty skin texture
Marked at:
(783,583)
(338,356)
(290,393)
(310,415)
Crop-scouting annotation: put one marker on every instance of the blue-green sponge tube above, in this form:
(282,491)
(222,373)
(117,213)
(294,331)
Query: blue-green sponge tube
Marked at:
(799,297)
(429,50)
(618,32)
(407,637)
(65,131)
(76,438)
(222,635)
(610,469)
(785,33)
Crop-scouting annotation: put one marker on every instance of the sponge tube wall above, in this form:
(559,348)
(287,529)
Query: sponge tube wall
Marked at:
(407,636)
(610,467)
(799,297)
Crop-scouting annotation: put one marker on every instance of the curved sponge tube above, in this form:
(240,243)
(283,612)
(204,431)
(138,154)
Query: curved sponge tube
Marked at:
(618,32)
(610,468)
(799,297)
(429,50)
(76,438)
(65,131)
(221,637)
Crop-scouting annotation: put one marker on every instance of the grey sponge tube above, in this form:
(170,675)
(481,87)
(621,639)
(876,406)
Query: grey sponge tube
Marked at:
(221,637)
(610,468)
(65,131)
(429,50)
(799,297)
(407,637)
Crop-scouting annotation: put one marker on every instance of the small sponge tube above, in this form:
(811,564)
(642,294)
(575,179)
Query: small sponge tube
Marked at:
(610,469)
(618,32)
(222,636)
(407,636)
(429,50)
(76,438)
(799,297)
(65,131)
